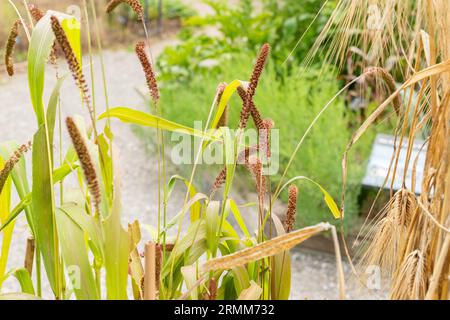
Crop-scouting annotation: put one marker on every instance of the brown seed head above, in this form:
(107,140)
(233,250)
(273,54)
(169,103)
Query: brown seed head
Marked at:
(289,223)
(254,165)
(257,70)
(86,161)
(220,180)
(9,49)
(247,110)
(72,61)
(148,70)
(264,136)
(134,4)
(247,95)
(35,12)
(11,162)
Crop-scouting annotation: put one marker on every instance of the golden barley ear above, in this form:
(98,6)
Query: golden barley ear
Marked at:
(149,72)
(134,4)
(11,162)
(72,61)
(9,49)
(86,162)
(289,223)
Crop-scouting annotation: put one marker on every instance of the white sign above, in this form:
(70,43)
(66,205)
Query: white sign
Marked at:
(383,152)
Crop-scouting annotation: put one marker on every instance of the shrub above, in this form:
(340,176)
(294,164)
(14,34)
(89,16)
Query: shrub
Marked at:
(242,28)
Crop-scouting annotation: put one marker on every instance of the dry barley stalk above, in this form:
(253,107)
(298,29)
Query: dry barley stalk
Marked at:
(134,4)
(263,250)
(9,49)
(390,83)
(150,272)
(11,162)
(86,162)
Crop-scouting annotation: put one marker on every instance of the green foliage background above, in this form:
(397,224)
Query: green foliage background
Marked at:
(292,105)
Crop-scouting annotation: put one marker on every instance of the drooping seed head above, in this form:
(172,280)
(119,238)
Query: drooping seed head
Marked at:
(289,223)
(390,83)
(72,61)
(11,162)
(134,4)
(9,49)
(86,162)
(35,12)
(149,72)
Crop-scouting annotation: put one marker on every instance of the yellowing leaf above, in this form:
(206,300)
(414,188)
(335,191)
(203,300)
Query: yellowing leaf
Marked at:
(251,293)
(329,201)
(226,96)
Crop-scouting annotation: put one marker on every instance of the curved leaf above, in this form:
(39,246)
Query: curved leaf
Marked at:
(129,115)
